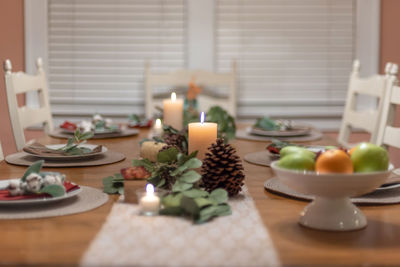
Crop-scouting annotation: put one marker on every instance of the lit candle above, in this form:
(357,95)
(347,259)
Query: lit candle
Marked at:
(149,203)
(201,136)
(157,128)
(173,112)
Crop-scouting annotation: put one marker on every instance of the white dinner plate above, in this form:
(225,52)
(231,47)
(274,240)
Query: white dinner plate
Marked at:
(297,130)
(96,132)
(31,201)
(72,157)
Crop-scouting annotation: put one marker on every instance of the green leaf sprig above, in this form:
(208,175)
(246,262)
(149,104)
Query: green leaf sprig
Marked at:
(175,171)
(72,146)
(52,189)
(114,184)
(226,123)
(266,123)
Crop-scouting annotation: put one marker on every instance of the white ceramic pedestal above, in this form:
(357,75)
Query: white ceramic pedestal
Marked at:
(332,209)
(332,214)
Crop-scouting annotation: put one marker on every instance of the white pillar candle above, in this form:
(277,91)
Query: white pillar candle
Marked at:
(173,112)
(201,136)
(149,203)
(157,128)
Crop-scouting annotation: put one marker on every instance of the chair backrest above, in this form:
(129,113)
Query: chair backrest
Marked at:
(1,152)
(23,117)
(388,135)
(367,120)
(208,81)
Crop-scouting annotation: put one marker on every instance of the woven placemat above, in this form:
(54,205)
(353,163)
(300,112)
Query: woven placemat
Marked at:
(377,197)
(262,158)
(59,133)
(90,198)
(245,135)
(24,159)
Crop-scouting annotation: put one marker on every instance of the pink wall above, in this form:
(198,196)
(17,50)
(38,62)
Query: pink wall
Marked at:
(390,35)
(11,47)
(390,49)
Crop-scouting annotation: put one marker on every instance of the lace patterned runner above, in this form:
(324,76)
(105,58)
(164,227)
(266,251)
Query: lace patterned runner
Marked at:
(236,240)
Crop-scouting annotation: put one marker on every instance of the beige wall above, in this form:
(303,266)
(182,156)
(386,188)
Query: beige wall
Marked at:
(11,47)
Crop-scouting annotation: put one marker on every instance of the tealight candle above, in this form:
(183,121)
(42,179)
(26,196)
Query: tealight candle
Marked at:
(173,112)
(150,202)
(201,136)
(157,128)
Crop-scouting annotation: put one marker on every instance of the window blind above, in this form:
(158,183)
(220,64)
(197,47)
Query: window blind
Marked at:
(98,50)
(294,56)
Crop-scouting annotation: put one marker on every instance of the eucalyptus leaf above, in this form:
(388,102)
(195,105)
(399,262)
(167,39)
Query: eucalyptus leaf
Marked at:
(226,123)
(121,190)
(171,211)
(108,180)
(113,184)
(206,214)
(213,211)
(190,177)
(182,158)
(192,163)
(167,156)
(202,202)
(118,176)
(86,136)
(190,206)
(195,193)
(219,196)
(34,168)
(267,123)
(172,200)
(147,164)
(179,186)
(54,190)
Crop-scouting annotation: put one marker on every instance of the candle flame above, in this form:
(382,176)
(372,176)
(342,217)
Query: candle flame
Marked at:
(202,117)
(173,96)
(158,123)
(150,189)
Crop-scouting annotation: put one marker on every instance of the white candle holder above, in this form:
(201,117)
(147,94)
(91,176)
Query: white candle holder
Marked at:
(149,201)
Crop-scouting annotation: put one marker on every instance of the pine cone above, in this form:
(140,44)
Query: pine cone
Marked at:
(222,168)
(177,140)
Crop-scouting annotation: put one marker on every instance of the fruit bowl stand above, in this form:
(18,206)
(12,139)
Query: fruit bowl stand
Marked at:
(332,208)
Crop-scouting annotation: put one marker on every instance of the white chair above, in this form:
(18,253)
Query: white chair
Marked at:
(367,120)
(204,79)
(23,117)
(388,135)
(1,152)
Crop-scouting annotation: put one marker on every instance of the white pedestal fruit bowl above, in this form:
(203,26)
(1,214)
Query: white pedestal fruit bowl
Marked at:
(332,208)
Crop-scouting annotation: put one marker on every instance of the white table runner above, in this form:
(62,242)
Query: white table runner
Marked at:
(236,240)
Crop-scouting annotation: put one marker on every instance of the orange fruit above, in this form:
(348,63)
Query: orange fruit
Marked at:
(334,161)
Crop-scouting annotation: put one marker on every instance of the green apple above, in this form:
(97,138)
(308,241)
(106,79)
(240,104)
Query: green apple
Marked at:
(289,150)
(368,157)
(297,161)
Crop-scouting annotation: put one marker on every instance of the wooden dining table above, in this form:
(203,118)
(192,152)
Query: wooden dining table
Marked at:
(64,239)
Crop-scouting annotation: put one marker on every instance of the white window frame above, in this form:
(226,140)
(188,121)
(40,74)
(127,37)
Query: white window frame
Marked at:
(201,36)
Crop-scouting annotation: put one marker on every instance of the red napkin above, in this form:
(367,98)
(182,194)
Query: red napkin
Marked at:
(4,195)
